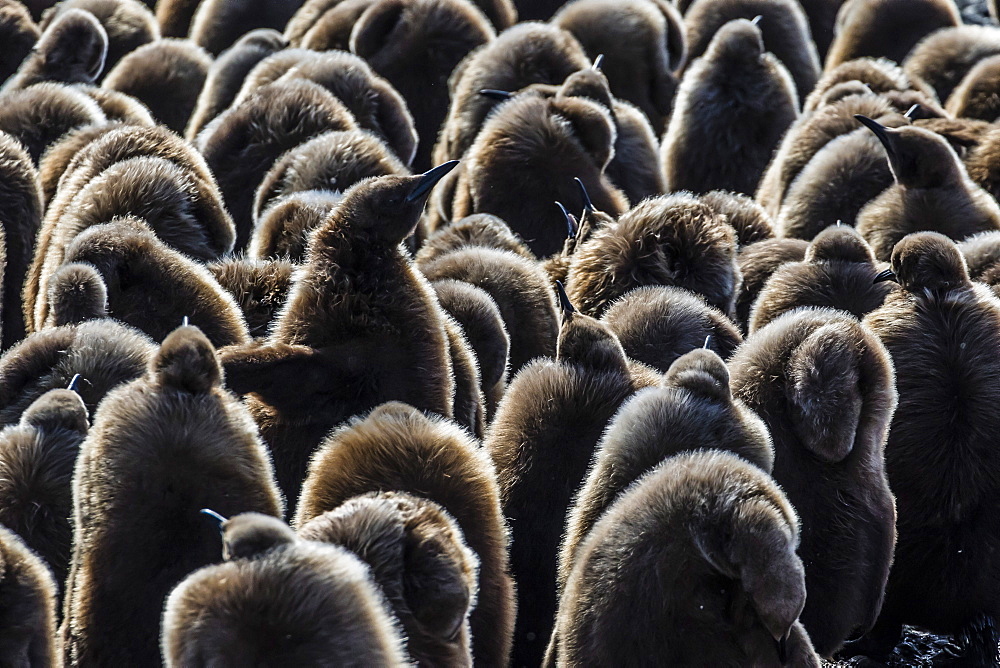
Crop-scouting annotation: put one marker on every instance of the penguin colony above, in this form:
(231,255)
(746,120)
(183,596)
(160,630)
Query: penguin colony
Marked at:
(499,333)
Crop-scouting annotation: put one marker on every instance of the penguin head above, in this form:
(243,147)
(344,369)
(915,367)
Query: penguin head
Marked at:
(589,83)
(839,242)
(250,535)
(57,409)
(918,158)
(926,260)
(76,293)
(74,47)
(702,372)
(586,341)
(187,362)
(738,39)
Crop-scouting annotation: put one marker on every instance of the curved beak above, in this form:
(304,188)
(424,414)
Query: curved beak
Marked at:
(494,94)
(564,301)
(215,516)
(877,129)
(587,204)
(571,225)
(430,179)
(887,275)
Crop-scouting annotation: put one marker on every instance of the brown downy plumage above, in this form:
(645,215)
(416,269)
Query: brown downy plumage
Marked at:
(942,332)
(879,75)
(541,441)
(468,403)
(835,273)
(40,115)
(824,385)
(982,257)
(932,191)
(60,155)
(943,58)
(711,144)
(118,107)
(478,230)
(670,240)
(720,538)
(747,218)
(822,15)
(260,288)
(218,24)
(420,561)
(396,448)
(279,600)
(166,76)
(27,606)
(170,443)
(784,32)
(71,50)
(36,473)
(21,203)
(657,324)
(128,23)
(977,96)
(887,28)
(757,262)
(282,230)
(329,358)
(331,31)
(19,35)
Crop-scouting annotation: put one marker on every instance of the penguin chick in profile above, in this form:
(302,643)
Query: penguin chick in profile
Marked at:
(941,330)
(420,561)
(757,262)
(536,147)
(729,146)
(36,473)
(887,28)
(259,287)
(282,230)
(128,23)
(329,358)
(27,606)
(658,324)
(670,240)
(943,58)
(835,273)
(21,202)
(397,448)
(278,600)
(40,115)
(241,145)
(656,424)
(227,72)
(171,442)
(19,34)
(71,50)
(541,441)
(932,191)
(166,76)
(698,559)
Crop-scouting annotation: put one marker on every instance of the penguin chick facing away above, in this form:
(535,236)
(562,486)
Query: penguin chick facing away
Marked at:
(656,424)
(541,441)
(719,539)
(278,600)
(712,146)
(943,58)
(40,115)
(835,273)
(128,23)
(259,287)
(171,442)
(824,385)
(396,448)
(975,97)
(71,50)
(19,34)
(932,191)
(329,358)
(420,561)
(283,228)
(941,330)
(982,257)
(757,262)
(36,473)
(27,606)
(747,218)
(218,24)
(21,202)
(670,240)
(657,324)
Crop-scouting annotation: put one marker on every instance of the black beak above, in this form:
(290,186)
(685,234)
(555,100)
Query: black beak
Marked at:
(782,646)
(912,112)
(215,516)
(570,221)
(587,204)
(887,275)
(430,179)
(598,62)
(564,301)
(72,383)
(877,129)
(756,20)
(494,94)
(708,341)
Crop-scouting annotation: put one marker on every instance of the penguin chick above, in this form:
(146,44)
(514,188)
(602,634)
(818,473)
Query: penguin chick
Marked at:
(643,44)
(541,440)
(331,31)
(259,287)
(729,147)
(757,262)
(982,257)
(104,354)
(657,324)
(118,107)
(21,202)
(326,360)
(887,28)
(940,329)
(783,30)
(419,559)
(943,58)
(226,74)
(333,161)
(932,191)
(174,17)
(671,240)
(170,442)
(747,218)
(128,24)
(653,426)
(835,273)
(77,293)
(536,147)
(166,76)
(139,270)
(241,145)
(57,157)
(36,471)
(720,537)
(71,50)
(976,96)
(40,115)
(478,230)
(27,606)
(297,603)
(282,230)
(217,25)
(824,385)
(880,75)
(396,448)
(19,35)
(523,55)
